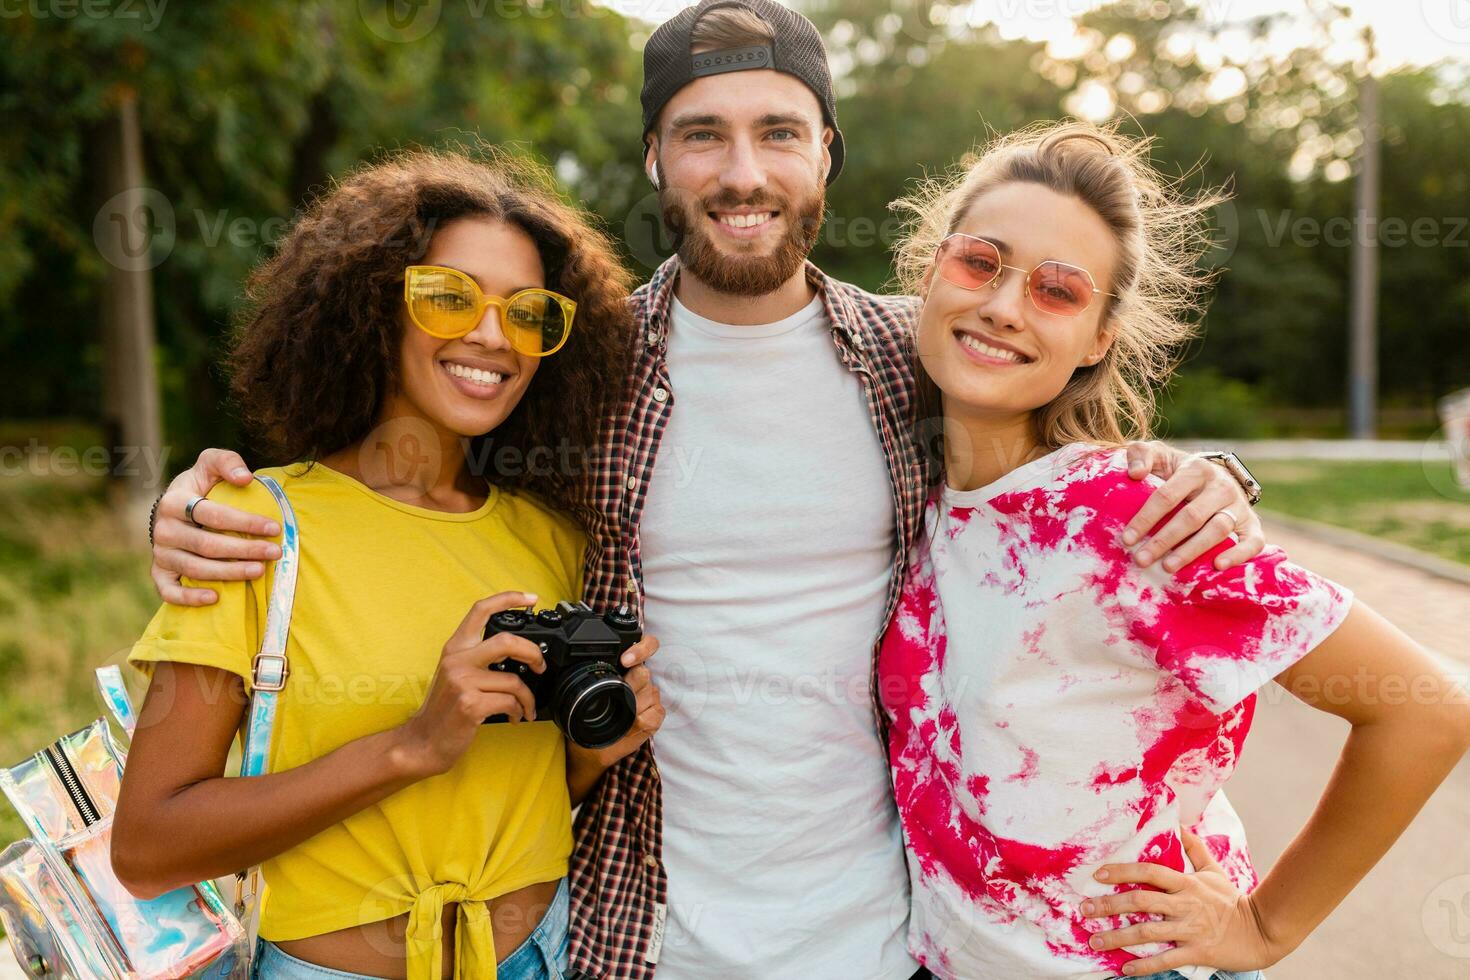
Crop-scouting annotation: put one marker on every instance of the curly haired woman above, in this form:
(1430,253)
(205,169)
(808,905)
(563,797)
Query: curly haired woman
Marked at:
(424,334)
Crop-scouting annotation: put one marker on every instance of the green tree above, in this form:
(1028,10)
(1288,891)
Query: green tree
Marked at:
(245,110)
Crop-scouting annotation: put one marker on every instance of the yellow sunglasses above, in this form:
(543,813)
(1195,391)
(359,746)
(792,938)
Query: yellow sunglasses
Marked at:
(446,303)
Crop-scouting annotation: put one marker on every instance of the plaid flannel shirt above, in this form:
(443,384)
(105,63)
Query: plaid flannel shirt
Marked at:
(619,889)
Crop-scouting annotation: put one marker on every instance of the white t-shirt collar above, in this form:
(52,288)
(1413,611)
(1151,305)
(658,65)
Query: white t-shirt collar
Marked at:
(683,317)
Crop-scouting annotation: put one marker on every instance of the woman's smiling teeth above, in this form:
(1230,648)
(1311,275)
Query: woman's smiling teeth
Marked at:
(976,344)
(473,374)
(745,220)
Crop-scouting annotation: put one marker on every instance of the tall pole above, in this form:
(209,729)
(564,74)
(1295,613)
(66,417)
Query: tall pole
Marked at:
(132,423)
(1363,356)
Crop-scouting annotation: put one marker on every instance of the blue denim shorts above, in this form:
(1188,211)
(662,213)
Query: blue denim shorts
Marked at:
(543,956)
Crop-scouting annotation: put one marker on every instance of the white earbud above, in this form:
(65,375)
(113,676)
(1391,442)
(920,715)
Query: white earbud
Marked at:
(653,176)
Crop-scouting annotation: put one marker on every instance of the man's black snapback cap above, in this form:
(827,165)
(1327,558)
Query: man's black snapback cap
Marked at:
(796,49)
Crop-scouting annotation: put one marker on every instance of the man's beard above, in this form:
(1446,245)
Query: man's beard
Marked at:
(740,275)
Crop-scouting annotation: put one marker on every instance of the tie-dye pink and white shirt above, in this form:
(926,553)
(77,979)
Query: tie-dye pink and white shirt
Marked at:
(1055,707)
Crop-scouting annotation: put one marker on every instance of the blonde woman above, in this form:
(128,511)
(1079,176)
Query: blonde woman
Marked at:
(1064,720)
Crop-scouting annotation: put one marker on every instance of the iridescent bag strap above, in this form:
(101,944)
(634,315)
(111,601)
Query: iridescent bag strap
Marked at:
(268,676)
(115,696)
(270,667)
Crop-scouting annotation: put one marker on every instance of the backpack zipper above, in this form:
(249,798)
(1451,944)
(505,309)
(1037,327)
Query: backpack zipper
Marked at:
(56,755)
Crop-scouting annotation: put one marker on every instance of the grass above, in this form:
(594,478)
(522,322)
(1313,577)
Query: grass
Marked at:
(1414,504)
(72,597)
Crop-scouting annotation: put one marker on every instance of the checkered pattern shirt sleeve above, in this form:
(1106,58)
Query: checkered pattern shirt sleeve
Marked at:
(619,888)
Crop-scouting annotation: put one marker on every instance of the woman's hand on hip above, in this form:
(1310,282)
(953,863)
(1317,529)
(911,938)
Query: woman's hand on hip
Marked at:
(1203,915)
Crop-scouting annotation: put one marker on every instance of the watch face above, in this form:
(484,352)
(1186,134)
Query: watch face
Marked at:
(1237,469)
(1252,487)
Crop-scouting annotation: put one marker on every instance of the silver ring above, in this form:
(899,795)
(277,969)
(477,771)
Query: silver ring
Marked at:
(189,512)
(1234,521)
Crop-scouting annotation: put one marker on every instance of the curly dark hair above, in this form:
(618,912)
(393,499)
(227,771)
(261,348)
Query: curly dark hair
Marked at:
(316,346)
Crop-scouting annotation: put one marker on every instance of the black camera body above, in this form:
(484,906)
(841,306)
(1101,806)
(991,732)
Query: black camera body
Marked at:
(583,689)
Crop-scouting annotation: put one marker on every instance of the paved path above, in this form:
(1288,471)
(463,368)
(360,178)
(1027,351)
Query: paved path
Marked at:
(1410,918)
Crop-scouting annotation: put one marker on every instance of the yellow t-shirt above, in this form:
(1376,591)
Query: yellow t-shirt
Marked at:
(381,586)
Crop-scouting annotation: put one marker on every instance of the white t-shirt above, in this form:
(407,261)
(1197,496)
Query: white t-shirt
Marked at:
(767,543)
(1055,708)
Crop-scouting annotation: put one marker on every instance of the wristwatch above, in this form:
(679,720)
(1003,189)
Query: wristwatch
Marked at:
(1236,468)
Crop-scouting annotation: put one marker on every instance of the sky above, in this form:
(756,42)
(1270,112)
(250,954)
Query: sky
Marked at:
(1409,31)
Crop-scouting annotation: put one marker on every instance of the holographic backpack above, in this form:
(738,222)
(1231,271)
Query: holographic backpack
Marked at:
(65,913)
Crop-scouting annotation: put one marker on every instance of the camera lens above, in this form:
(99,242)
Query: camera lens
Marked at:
(594,705)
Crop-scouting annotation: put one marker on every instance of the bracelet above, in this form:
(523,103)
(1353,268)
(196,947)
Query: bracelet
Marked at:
(153,517)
